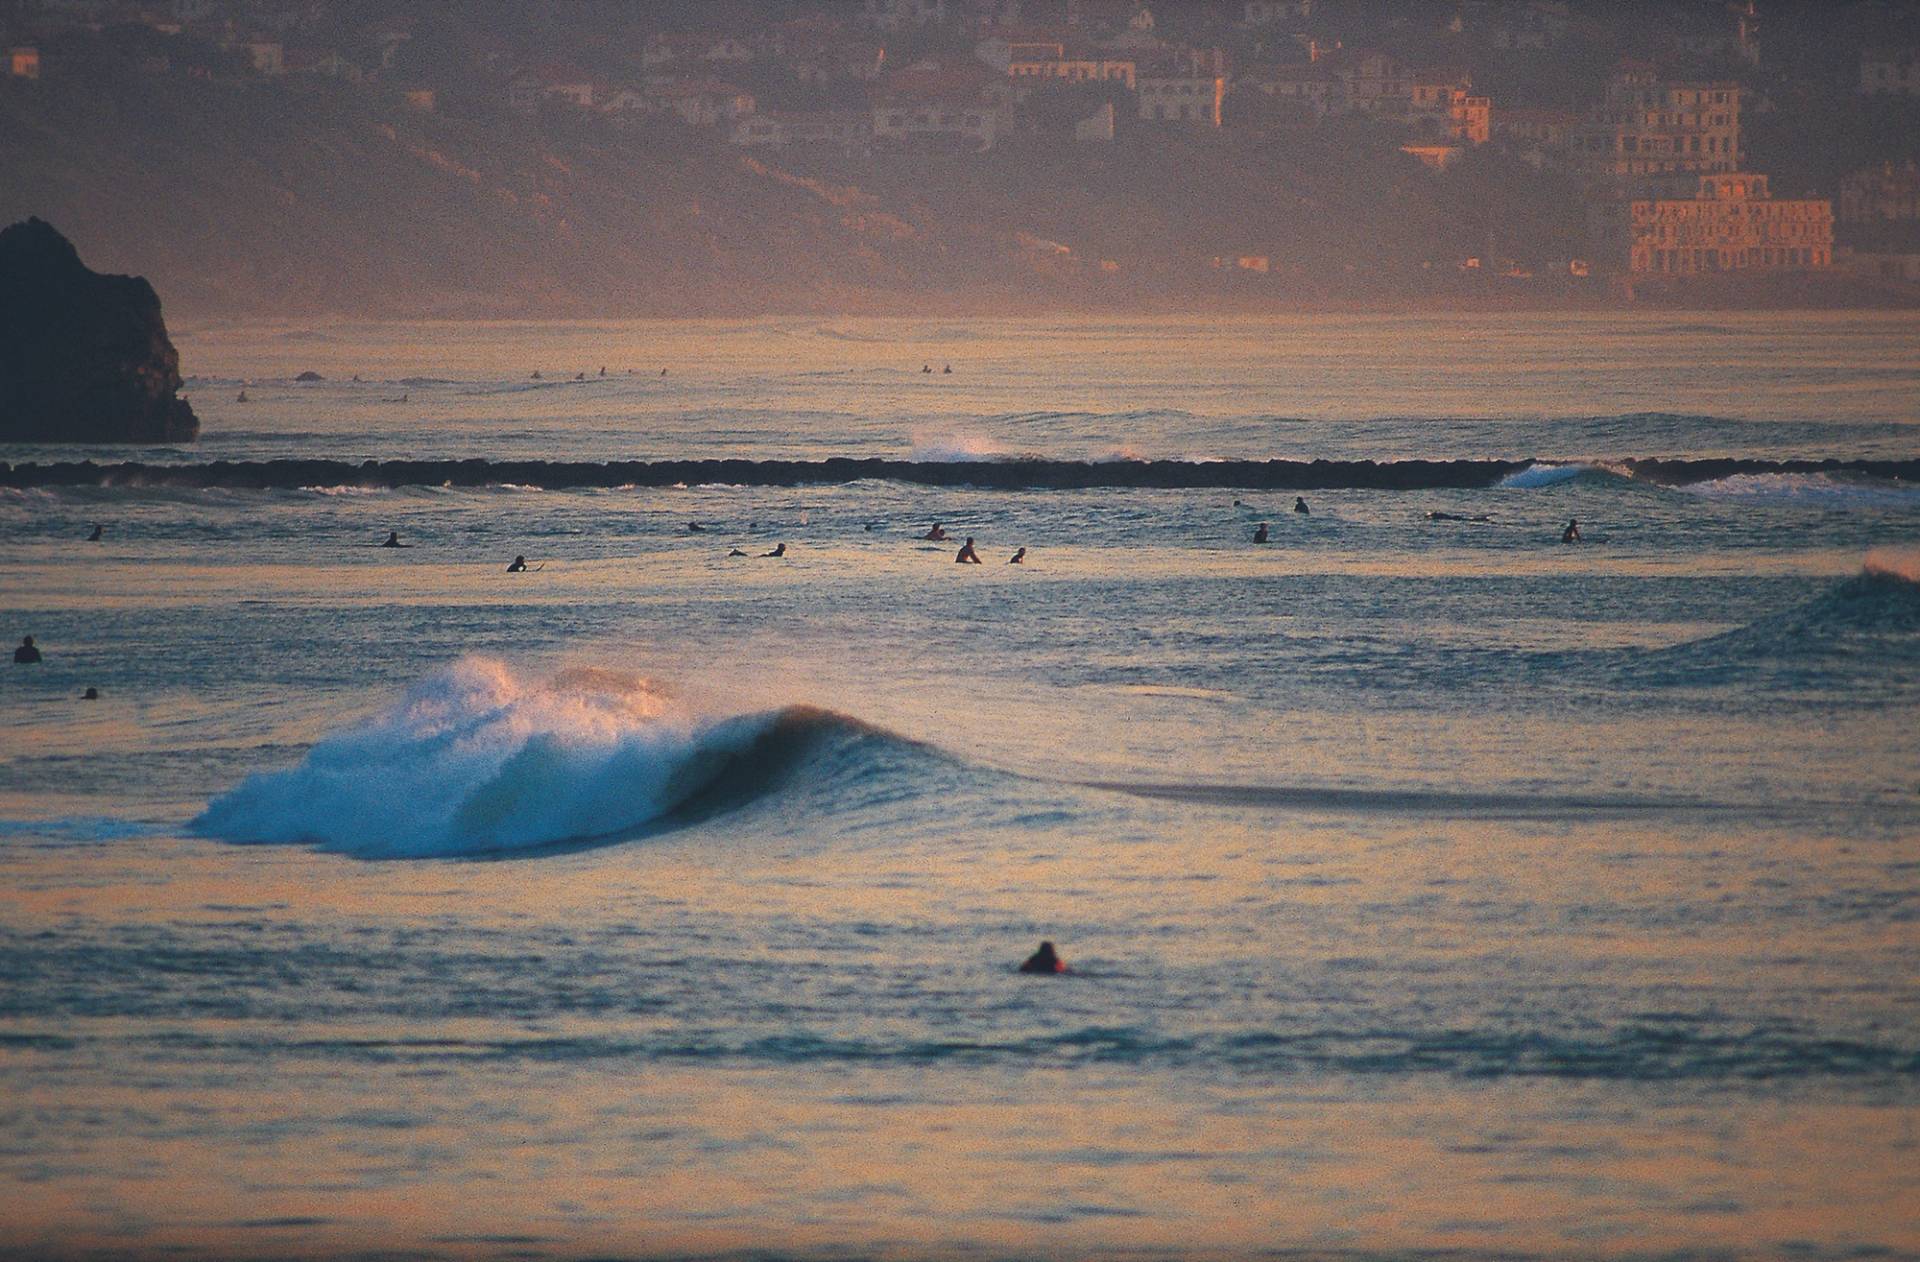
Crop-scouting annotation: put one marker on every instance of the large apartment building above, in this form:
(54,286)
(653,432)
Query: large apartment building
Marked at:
(1652,135)
(1731,224)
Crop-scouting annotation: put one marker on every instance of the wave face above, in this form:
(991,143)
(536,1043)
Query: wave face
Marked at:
(478,760)
(943,465)
(1818,490)
(1870,623)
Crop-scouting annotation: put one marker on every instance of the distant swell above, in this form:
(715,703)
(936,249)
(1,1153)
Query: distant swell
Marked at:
(1020,473)
(1657,1049)
(477,759)
(1867,623)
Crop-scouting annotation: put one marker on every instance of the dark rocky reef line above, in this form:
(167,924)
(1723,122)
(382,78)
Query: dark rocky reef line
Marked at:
(1002,475)
(84,357)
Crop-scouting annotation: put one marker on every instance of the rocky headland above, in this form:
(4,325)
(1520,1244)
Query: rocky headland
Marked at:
(84,357)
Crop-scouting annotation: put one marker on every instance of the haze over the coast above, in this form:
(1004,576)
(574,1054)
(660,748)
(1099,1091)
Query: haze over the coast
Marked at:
(986,156)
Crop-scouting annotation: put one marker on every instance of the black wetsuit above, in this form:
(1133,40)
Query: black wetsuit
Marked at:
(1044,961)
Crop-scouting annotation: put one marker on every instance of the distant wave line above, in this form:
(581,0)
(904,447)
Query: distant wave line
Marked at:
(1022,473)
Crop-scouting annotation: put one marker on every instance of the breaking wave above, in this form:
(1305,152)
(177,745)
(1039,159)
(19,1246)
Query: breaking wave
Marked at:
(1863,627)
(1818,490)
(1542,473)
(477,759)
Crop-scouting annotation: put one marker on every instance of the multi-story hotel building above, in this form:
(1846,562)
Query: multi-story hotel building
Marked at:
(1731,224)
(1652,135)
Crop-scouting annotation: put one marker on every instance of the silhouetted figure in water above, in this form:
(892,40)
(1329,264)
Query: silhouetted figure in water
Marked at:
(98,531)
(779,550)
(1300,505)
(1045,962)
(26,654)
(938,534)
(1018,558)
(695,528)
(579,376)
(966,555)
(736,553)
(1236,503)
(926,368)
(1437,515)
(242,398)
(536,374)
(91,694)
(868,527)
(663,372)
(1260,533)
(519,565)
(603,370)
(947,371)
(1572,533)
(392,540)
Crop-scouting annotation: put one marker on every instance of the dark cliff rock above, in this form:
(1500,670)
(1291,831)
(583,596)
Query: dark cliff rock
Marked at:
(84,358)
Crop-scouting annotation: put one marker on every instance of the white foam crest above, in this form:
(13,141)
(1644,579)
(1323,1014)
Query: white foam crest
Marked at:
(1539,475)
(1900,563)
(477,758)
(1818,489)
(347,491)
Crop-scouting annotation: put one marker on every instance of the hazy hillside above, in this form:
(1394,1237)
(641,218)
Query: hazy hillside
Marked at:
(238,196)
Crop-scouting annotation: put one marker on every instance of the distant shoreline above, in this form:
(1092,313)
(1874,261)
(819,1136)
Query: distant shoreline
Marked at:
(1009,474)
(1832,294)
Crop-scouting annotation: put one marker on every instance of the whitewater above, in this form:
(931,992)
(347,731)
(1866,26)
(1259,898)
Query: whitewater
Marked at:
(1427,884)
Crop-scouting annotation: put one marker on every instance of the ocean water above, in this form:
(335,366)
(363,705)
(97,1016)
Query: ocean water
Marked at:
(1426,885)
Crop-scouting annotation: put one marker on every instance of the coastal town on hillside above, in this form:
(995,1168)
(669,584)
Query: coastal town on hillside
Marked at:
(1654,137)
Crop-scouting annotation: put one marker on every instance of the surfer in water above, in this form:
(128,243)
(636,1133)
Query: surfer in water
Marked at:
(1045,962)
(393,540)
(242,398)
(1260,533)
(1572,533)
(26,654)
(966,555)
(1437,515)
(779,550)
(1018,558)
(91,694)
(735,552)
(1300,505)
(938,534)
(519,565)
(98,531)
(695,528)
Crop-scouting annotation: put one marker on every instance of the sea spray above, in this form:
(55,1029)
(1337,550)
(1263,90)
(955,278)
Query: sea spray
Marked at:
(1895,563)
(479,758)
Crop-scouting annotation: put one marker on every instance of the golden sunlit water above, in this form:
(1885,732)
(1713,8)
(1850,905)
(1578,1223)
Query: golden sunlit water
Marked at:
(1426,884)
